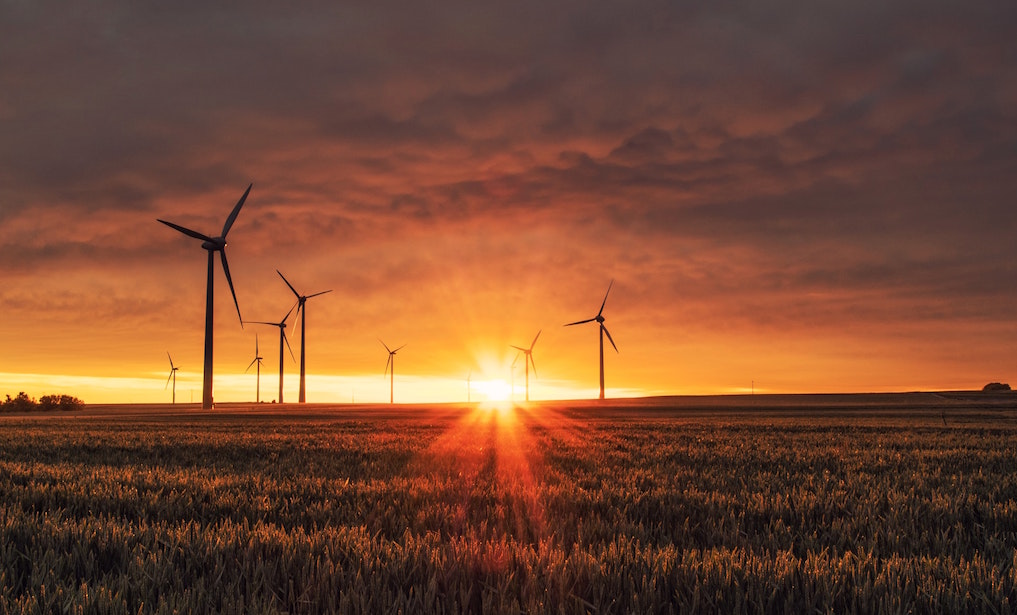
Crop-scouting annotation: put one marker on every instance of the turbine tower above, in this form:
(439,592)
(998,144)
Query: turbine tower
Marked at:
(257,359)
(527,361)
(391,361)
(172,376)
(599,318)
(282,340)
(302,314)
(213,245)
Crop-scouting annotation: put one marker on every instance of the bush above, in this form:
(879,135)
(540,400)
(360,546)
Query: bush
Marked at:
(23,403)
(60,402)
(996,386)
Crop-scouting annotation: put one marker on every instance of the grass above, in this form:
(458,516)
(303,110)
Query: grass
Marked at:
(637,507)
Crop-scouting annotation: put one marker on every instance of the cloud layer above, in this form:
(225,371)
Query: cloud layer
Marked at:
(772,185)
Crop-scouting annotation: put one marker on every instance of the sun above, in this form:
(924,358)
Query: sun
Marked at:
(493,390)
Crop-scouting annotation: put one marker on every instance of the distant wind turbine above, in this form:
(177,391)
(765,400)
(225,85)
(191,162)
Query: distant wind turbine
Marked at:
(527,353)
(172,376)
(257,359)
(302,314)
(282,340)
(599,318)
(213,245)
(391,361)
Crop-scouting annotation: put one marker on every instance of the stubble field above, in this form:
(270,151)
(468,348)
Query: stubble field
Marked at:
(894,503)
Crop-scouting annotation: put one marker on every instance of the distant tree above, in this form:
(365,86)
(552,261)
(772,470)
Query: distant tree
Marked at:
(996,386)
(21,403)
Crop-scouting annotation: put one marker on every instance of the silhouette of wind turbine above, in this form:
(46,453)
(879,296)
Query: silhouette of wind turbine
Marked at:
(213,245)
(391,361)
(599,318)
(257,359)
(172,376)
(527,361)
(282,340)
(302,314)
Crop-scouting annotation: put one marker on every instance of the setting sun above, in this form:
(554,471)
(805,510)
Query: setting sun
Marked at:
(493,390)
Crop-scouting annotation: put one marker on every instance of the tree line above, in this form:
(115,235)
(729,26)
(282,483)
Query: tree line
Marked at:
(23,403)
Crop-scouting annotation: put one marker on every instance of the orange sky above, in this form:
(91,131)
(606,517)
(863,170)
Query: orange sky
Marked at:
(807,198)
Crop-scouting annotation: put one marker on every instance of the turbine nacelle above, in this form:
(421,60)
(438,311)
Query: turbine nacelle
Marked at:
(214,244)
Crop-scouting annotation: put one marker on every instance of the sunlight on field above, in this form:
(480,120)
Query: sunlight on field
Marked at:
(494,443)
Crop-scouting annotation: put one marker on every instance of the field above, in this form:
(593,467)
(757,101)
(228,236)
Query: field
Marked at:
(879,503)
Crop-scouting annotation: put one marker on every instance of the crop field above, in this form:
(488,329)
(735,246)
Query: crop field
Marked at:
(839,504)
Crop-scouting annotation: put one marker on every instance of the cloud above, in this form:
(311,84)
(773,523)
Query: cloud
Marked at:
(784,167)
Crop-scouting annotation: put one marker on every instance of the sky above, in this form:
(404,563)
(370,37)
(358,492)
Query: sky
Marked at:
(788,196)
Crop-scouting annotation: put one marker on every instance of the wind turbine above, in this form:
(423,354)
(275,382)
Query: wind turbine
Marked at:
(257,359)
(213,245)
(302,314)
(391,361)
(600,319)
(527,361)
(172,376)
(282,340)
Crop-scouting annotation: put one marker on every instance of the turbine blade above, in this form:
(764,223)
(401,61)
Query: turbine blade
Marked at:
(251,364)
(605,298)
(287,340)
(515,360)
(226,270)
(385,345)
(288,283)
(168,380)
(256,351)
(533,363)
(186,231)
(517,348)
(316,294)
(171,360)
(233,214)
(581,322)
(534,343)
(398,349)
(283,321)
(608,336)
(260,322)
(387,364)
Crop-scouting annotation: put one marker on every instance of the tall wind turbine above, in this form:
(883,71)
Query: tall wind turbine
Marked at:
(213,245)
(302,314)
(527,353)
(282,340)
(391,361)
(599,318)
(257,359)
(172,376)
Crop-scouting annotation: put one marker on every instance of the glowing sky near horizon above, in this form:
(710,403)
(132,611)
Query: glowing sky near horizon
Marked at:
(805,197)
